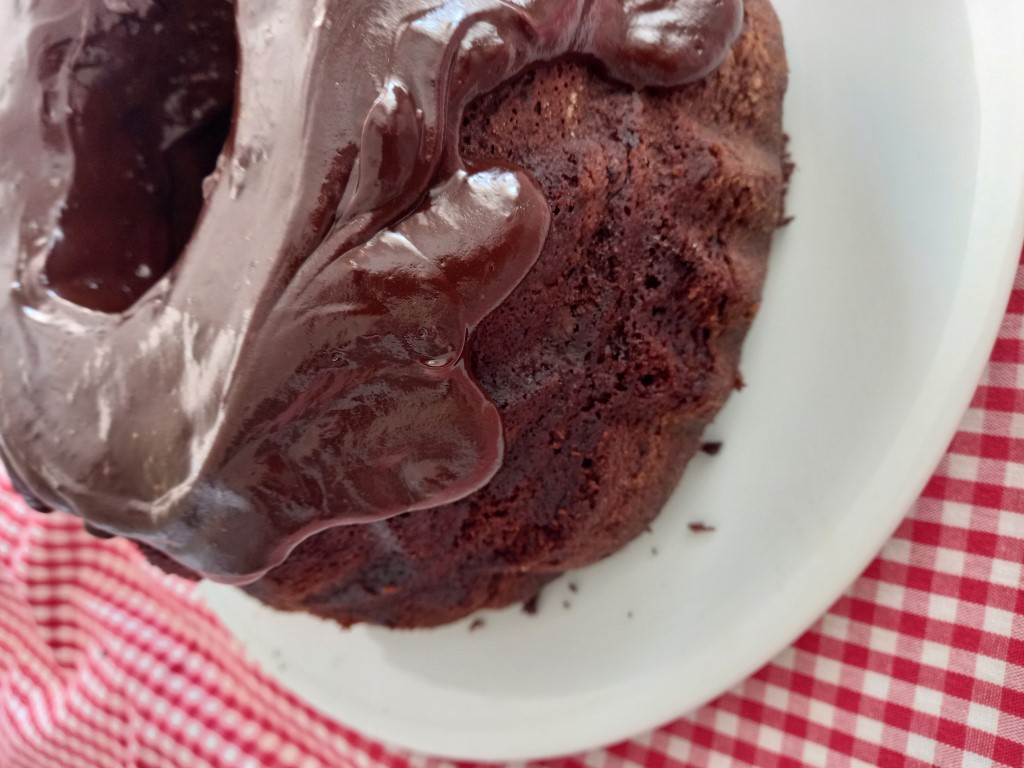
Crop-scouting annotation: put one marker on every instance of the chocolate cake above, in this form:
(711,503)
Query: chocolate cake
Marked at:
(448,315)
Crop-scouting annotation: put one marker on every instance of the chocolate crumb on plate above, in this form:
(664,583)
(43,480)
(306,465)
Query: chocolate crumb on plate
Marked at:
(530,606)
(701,528)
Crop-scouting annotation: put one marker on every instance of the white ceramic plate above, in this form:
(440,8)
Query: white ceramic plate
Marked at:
(907,121)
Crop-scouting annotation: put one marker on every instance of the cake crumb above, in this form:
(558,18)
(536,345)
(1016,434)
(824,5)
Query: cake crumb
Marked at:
(629,615)
(476,624)
(712,449)
(530,606)
(573,588)
(654,551)
(701,528)
(566,604)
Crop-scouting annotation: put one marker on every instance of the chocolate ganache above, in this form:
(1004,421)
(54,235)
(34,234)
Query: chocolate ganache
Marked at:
(241,255)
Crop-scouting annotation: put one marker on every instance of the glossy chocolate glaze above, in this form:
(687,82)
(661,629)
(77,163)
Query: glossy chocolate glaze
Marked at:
(221,368)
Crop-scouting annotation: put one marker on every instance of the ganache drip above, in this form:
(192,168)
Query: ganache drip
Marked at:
(221,368)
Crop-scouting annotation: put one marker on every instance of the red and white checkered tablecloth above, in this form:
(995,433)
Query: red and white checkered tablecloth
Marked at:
(107,663)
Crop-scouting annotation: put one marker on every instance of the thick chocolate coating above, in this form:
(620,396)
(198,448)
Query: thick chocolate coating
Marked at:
(300,365)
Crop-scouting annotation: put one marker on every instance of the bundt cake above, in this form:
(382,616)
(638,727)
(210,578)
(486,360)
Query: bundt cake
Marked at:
(387,312)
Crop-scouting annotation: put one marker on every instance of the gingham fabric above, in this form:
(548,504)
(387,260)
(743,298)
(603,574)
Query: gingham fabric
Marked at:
(107,663)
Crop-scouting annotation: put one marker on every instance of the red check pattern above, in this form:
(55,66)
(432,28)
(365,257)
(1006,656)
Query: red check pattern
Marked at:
(107,663)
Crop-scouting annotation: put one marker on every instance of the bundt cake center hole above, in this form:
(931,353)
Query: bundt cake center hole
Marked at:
(150,103)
